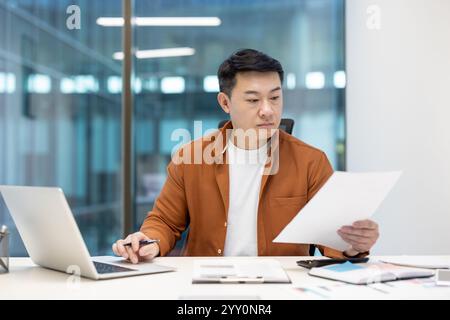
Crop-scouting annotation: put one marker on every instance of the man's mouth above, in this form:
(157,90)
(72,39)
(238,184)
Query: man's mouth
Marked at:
(266,125)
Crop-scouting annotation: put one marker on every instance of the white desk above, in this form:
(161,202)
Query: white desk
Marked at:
(28,281)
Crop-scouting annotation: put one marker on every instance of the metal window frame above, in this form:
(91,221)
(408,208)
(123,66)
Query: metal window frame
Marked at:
(128,185)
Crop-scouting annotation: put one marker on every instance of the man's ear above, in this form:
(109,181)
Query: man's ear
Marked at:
(224,101)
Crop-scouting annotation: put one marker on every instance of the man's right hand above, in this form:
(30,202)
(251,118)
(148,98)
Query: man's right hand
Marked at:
(134,253)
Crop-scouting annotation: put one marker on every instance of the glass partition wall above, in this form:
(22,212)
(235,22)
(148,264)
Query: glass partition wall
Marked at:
(61,92)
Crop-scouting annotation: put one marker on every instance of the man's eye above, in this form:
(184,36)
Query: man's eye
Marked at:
(275,98)
(252,100)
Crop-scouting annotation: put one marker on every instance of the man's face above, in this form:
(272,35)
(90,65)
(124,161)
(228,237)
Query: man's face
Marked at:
(256,102)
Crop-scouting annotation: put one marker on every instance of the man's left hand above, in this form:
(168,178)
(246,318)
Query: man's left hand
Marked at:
(361,235)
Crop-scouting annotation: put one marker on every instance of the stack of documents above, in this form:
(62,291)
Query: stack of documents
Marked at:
(239,271)
(366,273)
(344,198)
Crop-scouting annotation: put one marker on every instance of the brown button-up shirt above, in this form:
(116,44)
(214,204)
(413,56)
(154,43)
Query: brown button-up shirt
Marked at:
(197,195)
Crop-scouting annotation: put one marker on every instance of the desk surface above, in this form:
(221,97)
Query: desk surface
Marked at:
(28,281)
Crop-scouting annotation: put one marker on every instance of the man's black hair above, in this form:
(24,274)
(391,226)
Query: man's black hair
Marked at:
(245,60)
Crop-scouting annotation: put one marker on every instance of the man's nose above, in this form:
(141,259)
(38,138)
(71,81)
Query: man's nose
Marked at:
(266,111)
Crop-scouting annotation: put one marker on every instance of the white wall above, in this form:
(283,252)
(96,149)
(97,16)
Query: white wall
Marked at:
(398,116)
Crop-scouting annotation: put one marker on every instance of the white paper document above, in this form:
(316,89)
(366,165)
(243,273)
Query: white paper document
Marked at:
(238,271)
(343,199)
(429,262)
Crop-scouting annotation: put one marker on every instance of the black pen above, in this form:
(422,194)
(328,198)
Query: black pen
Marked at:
(142,243)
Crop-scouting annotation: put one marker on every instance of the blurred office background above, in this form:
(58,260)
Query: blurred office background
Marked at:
(61,93)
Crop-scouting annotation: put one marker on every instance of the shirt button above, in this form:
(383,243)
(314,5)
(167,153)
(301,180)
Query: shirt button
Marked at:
(219,251)
(225,225)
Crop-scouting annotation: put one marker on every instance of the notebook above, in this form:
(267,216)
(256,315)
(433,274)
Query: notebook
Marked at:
(365,273)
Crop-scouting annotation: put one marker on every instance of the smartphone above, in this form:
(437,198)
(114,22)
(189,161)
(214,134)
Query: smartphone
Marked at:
(443,277)
(325,262)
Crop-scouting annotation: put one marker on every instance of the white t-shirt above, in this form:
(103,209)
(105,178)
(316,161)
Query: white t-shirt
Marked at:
(245,171)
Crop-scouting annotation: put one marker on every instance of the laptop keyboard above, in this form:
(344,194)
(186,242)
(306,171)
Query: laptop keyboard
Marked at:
(103,268)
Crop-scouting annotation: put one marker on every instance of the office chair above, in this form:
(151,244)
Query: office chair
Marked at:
(286,125)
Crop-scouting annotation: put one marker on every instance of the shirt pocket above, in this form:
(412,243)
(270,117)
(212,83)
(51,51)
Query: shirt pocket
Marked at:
(297,201)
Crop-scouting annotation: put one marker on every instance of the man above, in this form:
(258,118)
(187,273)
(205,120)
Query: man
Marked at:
(233,206)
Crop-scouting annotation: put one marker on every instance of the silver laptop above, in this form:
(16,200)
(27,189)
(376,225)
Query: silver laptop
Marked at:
(53,240)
